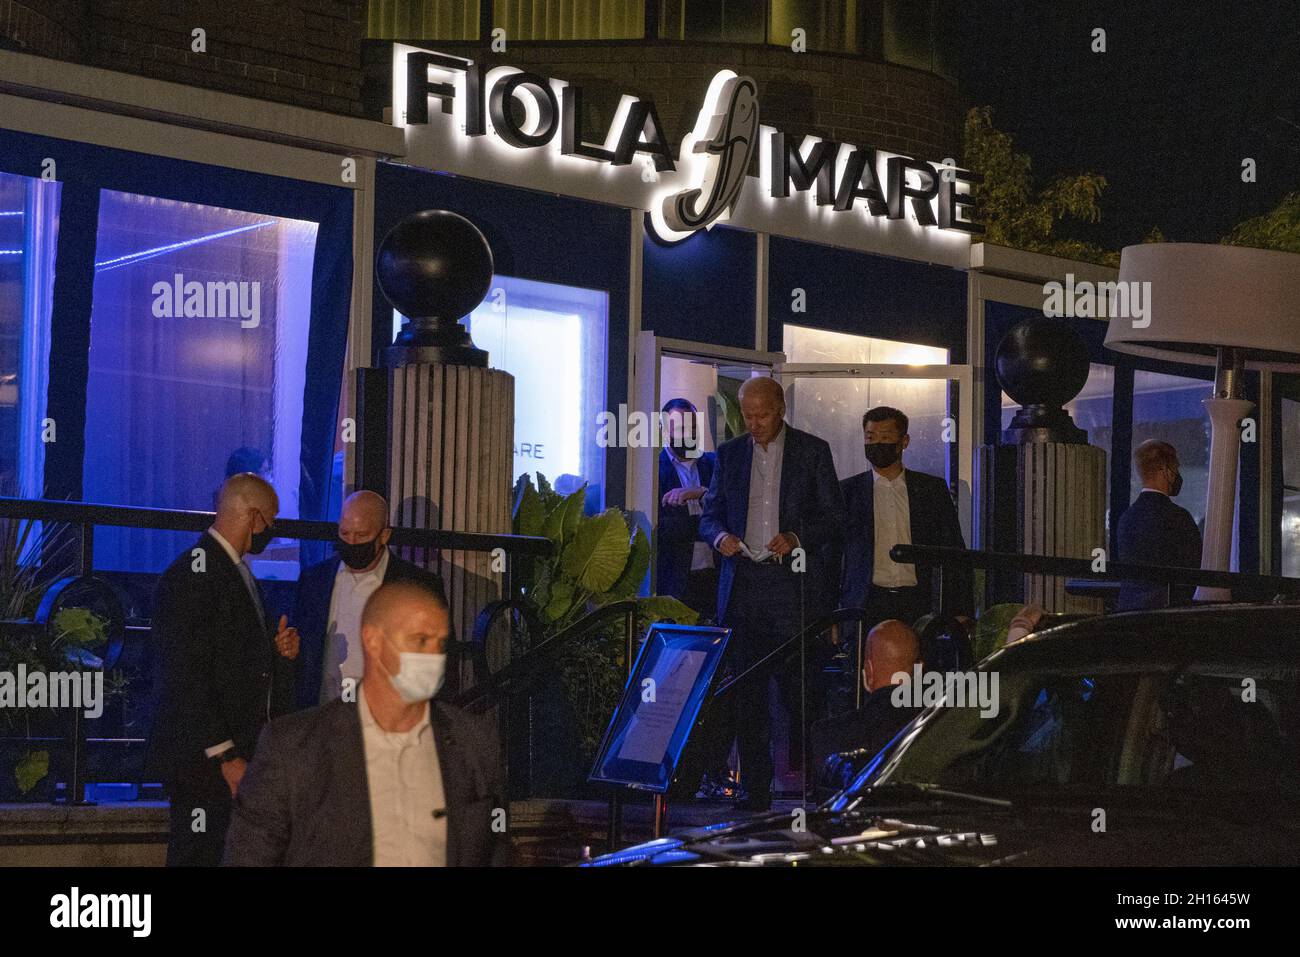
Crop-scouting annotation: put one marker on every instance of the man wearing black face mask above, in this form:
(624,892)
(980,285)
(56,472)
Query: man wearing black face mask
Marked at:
(224,672)
(890,505)
(332,594)
(1155,531)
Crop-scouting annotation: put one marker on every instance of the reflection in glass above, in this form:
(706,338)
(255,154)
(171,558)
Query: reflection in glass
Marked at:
(1168,407)
(832,408)
(1291,487)
(198,347)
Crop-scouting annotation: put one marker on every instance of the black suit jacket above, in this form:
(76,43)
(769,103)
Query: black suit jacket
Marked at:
(305,801)
(221,677)
(933,519)
(1155,531)
(811,504)
(678,529)
(311,611)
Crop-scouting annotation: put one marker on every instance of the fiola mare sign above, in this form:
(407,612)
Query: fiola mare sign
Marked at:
(521,128)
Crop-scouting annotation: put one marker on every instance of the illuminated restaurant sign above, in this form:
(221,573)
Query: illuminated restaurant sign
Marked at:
(517,127)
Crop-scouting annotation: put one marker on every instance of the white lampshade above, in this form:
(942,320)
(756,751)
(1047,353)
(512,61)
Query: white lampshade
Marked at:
(1204,296)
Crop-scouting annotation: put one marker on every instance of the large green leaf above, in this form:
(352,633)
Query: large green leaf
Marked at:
(561,600)
(562,520)
(597,554)
(663,607)
(638,563)
(29,770)
(530,516)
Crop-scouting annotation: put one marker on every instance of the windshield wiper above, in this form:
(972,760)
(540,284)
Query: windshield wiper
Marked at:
(926,790)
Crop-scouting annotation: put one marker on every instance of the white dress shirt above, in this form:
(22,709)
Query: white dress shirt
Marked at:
(343,655)
(893,526)
(688,474)
(405,784)
(763,520)
(250,583)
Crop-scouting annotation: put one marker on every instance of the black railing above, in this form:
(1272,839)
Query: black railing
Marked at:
(87,516)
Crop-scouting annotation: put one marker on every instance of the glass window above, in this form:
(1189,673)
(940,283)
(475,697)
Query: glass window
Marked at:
(1291,487)
(832,407)
(733,21)
(198,355)
(552,339)
(1168,407)
(29,226)
(423,20)
(570,19)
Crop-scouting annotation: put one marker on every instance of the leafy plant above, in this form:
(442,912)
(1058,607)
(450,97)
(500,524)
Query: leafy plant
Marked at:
(1277,229)
(597,560)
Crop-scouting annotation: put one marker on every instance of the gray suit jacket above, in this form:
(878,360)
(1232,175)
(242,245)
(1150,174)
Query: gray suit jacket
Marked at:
(304,801)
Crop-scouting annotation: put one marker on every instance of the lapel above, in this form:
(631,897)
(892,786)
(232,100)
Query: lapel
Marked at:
(235,581)
(455,776)
(788,459)
(868,513)
(348,769)
(916,514)
(667,473)
(742,479)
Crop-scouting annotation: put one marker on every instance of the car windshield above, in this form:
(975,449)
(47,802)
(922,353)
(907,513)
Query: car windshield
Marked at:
(1200,730)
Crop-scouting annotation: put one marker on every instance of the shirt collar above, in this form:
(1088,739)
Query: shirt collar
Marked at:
(369,723)
(225,546)
(1156,490)
(900,480)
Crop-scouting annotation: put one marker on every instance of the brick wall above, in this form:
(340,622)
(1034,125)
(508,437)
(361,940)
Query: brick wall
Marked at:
(837,97)
(53,28)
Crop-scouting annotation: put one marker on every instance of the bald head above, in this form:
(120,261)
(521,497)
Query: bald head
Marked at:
(400,617)
(394,601)
(892,646)
(762,404)
(244,491)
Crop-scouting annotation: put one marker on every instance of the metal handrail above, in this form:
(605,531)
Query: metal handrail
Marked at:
(1083,568)
(182,520)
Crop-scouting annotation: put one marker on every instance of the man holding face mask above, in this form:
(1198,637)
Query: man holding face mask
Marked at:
(392,779)
(332,594)
(891,505)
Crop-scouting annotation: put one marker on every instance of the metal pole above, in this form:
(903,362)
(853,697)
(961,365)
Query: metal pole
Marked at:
(661,815)
(615,835)
(857,671)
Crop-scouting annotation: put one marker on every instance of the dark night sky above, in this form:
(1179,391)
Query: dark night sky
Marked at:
(1184,92)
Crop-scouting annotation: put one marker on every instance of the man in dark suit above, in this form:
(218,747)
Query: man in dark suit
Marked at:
(1155,531)
(393,779)
(892,647)
(684,565)
(332,594)
(773,491)
(223,673)
(890,505)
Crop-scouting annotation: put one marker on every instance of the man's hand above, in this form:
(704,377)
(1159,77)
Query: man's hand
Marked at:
(286,639)
(233,772)
(729,544)
(783,543)
(680,496)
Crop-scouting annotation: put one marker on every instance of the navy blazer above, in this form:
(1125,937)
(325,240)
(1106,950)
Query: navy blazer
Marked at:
(811,505)
(1155,531)
(678,529)
(933,519)
(305,801)
(311,611)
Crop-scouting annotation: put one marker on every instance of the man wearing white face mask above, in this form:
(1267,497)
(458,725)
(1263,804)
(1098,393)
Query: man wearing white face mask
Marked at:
(392,779)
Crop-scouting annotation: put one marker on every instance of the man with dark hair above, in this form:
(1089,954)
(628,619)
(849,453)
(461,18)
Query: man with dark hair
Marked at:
(1155,531)
(392,779)
(890,505)
(684,565)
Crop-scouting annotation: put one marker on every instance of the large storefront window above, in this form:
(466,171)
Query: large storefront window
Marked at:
(552,339)
(29,225)
(833,407)
(198,353)
(1168,407)
(1291,488)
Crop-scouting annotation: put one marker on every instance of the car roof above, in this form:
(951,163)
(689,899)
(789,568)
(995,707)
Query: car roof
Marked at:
(1225,633)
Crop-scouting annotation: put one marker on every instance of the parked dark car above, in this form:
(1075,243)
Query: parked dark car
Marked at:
(1152,738)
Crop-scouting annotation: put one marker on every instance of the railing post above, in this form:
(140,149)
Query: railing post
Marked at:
(857,668)
(615,834)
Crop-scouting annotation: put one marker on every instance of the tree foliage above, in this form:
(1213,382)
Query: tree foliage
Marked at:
(1277,229)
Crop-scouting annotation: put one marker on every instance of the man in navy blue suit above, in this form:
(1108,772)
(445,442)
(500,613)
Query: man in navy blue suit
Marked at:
(332,594)
(684,566)
(1155,531)
(891,505)
(773,491)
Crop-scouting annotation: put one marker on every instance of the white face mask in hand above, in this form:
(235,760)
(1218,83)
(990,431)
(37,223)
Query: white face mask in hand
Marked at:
(419,676)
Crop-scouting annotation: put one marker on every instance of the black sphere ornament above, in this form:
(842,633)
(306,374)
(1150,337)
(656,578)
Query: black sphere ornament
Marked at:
(1042,364)
(434,267)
